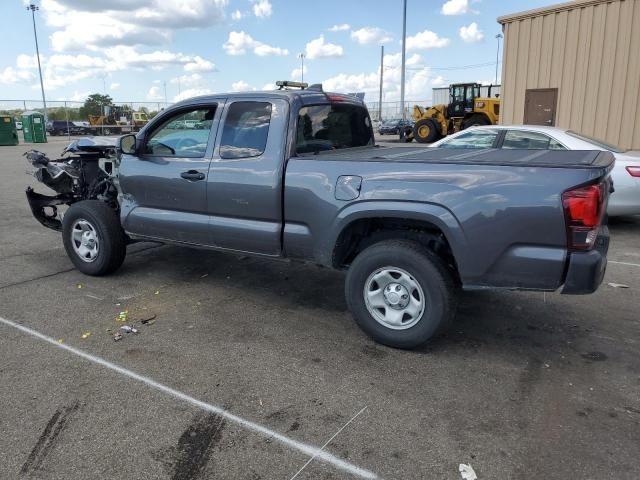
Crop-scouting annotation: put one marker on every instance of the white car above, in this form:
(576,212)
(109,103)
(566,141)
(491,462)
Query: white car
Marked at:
(626,172)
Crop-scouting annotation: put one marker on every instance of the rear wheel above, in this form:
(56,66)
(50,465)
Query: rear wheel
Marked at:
(475,121)
(93,237)
(425,130)
(400,293)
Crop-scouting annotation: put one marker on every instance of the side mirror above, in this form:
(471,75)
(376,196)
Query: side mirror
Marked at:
(128,144)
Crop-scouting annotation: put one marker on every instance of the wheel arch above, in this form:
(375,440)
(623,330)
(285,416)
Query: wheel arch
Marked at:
(376,221)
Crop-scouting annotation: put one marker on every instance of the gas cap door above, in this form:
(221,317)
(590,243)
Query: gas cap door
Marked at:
(348,187)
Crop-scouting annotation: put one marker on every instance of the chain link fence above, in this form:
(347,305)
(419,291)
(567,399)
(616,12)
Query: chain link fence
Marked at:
(392,110)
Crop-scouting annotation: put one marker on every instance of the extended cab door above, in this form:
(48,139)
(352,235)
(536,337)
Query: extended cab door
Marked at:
(244,186)
(165,184)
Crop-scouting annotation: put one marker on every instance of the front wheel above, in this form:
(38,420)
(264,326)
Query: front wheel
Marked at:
(93,237)
(400,293)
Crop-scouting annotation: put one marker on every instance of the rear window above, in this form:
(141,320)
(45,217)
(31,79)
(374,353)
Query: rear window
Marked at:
(595,141)
(331,127)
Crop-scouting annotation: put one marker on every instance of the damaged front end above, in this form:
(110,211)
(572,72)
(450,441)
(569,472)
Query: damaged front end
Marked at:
(86,170)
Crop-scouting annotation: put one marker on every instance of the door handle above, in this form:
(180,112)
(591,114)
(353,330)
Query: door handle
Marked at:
(193,175)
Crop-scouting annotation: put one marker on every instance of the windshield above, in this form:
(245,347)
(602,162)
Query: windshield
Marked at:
(595,141)
(330,127)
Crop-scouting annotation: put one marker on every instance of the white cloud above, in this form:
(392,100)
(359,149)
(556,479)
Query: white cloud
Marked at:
(26,62)
(262,8)
(296,73)
(199,64)
(239,86)
(114,86)
(439,81)
(340,27)
(370,35)
(239,42)
(11,75)
(155,93)
(237,15)
(187,80)
(394,60)
(79,96)
(471,33)
(191,92)
(455,7)
(426,40)
(317,48)
(80,24)
(269,86)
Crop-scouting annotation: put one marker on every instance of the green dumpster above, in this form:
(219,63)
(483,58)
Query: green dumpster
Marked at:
(33,127)
(8,132)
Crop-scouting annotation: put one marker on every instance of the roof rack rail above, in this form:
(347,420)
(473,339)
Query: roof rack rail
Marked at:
(282,84)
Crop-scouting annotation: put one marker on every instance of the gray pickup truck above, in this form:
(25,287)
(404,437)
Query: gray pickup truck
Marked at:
(296,174)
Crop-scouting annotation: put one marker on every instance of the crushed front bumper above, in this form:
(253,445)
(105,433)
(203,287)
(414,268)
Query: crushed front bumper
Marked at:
(586,269)
(39,202)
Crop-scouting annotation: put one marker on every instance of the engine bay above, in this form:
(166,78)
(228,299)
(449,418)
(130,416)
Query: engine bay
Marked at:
(87,169)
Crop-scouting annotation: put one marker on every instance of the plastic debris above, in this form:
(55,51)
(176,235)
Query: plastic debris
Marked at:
(122,316)
(79,285)
(467,472)
(129,329)
(617,285)
(117,336)
(157,292)
(86,335)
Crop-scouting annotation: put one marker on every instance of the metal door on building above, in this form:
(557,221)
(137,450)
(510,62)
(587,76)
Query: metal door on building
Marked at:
(540,106)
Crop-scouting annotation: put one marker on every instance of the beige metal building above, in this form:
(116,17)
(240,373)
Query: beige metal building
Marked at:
(575,65)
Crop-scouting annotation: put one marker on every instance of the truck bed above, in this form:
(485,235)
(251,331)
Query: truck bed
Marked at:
(491,156)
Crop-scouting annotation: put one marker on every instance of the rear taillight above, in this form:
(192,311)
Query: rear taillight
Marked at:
(583,210)
(634,171)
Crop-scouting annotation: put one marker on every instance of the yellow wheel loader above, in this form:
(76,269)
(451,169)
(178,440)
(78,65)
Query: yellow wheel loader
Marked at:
(466,109)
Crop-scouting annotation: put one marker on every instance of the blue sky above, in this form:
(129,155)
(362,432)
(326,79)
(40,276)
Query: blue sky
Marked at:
(133,48)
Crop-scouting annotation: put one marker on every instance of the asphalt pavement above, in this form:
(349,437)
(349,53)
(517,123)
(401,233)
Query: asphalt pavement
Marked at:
(254,369)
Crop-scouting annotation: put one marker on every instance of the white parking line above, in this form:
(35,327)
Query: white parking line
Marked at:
(625,263)
(312,451)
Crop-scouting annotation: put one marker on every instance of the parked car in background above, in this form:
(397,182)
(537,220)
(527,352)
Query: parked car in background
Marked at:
(63,127)
(626,172)
(393,127)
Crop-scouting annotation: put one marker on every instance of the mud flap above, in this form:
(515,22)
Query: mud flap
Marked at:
(38,202)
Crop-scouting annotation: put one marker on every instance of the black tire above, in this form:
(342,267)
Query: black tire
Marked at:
(424,268)
(426,131)
(476,120)
(112,246)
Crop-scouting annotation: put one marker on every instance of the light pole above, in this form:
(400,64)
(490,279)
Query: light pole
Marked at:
(381,79)
(301,56)
(498,37)
(404,42)
(33,9)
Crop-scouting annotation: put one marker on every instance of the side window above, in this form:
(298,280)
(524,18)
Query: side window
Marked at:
(246,129)
(529,141)
(473,139)
(185,134)
(333,126)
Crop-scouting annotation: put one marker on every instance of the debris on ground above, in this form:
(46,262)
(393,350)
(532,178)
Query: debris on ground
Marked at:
(86,335)
(129,329)
(79,285)
(117,336)
(157,292)
(204,275)
(148,319)
(467,472)
(617,285)
(60,340)
(122,316)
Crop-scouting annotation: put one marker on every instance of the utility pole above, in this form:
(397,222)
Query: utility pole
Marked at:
(301,67)
(33,9)
(498,37)
(404,47)
(381,77)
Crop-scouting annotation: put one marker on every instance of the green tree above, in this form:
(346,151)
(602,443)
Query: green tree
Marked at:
(94,103)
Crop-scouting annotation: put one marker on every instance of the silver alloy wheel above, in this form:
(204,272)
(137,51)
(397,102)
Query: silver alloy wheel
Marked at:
(84,239)
(394,298)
